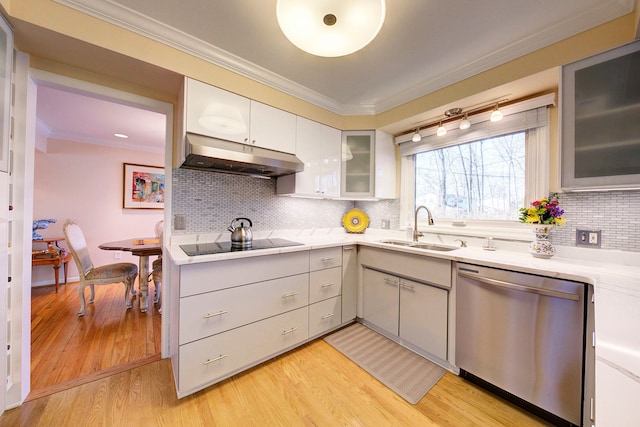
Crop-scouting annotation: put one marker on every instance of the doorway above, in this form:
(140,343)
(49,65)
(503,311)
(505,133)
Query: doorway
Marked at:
(78,174)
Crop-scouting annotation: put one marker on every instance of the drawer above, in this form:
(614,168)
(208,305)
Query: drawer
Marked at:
(204,362)
(325,315)
(212,276)
(325,284)
(325,258)
(214,312)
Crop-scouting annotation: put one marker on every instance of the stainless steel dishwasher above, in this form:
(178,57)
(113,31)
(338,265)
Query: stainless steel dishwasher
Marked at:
(524,335)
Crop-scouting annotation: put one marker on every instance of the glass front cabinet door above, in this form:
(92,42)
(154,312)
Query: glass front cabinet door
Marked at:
(601,120)
(358,163)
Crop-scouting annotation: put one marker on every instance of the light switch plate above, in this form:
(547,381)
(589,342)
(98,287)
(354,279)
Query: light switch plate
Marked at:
(589,238)
(180,222)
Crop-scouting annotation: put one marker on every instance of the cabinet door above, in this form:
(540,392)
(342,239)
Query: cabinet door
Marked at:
(385,167)
(331,161)
(349,283)
(272,128)
(309,150)
(357,163)
(381,300)
(215,112)
(423,317)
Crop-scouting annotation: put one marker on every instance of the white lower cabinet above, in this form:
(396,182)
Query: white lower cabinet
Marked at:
(414,312)
(423,317)
(233,314)
(211,359)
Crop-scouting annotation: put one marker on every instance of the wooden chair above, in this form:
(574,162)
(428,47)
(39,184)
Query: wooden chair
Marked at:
(123,272)
(156,272)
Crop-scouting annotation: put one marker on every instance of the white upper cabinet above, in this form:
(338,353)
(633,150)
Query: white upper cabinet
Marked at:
(319,147)
(220,114)
(368,165)
(272,128)
(215,112)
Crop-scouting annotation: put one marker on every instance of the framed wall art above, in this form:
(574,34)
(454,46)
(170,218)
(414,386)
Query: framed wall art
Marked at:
(143,187)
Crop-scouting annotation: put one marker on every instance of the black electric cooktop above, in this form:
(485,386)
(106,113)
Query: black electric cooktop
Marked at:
(224,247)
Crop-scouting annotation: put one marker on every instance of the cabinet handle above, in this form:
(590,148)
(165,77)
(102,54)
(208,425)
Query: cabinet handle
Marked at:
(327,259)
(215,359)
(289,295)
(408,287)
(327,316)
(347,248)
(287,332)
(220,313)
(327,285)
(390,282)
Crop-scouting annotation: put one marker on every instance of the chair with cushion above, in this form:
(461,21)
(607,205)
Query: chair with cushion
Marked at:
(156,272)
(123,272)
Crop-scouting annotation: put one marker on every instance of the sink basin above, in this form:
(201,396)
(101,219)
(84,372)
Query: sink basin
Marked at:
(434,247)
(397,242)
(418,245)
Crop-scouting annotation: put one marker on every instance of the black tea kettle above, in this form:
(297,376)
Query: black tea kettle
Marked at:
(241,236)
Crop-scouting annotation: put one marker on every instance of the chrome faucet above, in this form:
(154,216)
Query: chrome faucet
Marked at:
(417,234)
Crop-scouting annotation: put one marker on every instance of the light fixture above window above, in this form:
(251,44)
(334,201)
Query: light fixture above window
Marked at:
(330,28)
(496,116)
(465,123)
(442,131)
(416,136)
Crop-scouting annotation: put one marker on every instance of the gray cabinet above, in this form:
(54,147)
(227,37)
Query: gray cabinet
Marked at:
(600,119)
(349,282)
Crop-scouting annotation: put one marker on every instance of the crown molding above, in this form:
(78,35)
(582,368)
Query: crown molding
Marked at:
(104,142)
(116,14)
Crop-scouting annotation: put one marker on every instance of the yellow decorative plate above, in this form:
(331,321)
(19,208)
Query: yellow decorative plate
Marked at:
(355,221)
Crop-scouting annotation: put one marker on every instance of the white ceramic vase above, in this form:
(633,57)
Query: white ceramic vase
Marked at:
(542,247)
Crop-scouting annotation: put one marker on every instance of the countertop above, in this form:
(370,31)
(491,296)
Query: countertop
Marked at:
(615,276)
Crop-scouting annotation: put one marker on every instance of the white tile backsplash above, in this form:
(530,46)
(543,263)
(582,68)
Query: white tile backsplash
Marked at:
(211,200)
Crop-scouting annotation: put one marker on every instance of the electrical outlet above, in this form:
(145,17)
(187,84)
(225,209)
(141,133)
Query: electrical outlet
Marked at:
(589,238)
(386,224)
(180,222)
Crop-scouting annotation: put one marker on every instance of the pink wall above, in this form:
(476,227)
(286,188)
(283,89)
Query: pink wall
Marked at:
(84,182)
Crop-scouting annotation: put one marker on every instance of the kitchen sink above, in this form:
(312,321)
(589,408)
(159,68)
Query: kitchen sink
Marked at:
(418,245)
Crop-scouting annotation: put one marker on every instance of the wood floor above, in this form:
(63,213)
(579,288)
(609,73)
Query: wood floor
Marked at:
(67,350)
(314,385)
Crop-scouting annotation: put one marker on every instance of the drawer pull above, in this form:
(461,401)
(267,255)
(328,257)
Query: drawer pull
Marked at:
(327,316)
(289,295)
(288,331)
(327,285)
(215,359)
(327,259)
(210,315)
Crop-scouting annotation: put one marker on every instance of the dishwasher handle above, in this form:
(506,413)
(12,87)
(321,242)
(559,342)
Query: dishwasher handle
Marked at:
(518,287)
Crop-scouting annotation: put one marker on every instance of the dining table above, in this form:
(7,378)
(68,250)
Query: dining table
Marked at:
(142,248)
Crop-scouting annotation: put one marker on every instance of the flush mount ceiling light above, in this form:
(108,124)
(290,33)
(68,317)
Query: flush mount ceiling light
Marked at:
(416,136)
(496,116)
(330,28)
(121,135)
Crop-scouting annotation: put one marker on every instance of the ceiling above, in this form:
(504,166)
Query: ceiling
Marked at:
(423,46)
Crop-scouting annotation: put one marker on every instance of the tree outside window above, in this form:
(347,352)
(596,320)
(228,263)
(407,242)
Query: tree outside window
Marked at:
(483,179)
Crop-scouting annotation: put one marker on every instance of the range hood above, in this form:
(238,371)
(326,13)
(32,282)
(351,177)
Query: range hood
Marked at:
(218,155)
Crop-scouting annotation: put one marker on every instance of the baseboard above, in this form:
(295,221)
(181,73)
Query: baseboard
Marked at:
(52,283)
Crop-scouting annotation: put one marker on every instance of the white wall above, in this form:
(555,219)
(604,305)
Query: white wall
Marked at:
(84,182)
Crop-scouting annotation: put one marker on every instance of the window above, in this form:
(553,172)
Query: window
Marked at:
(482,179)
(479,177)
